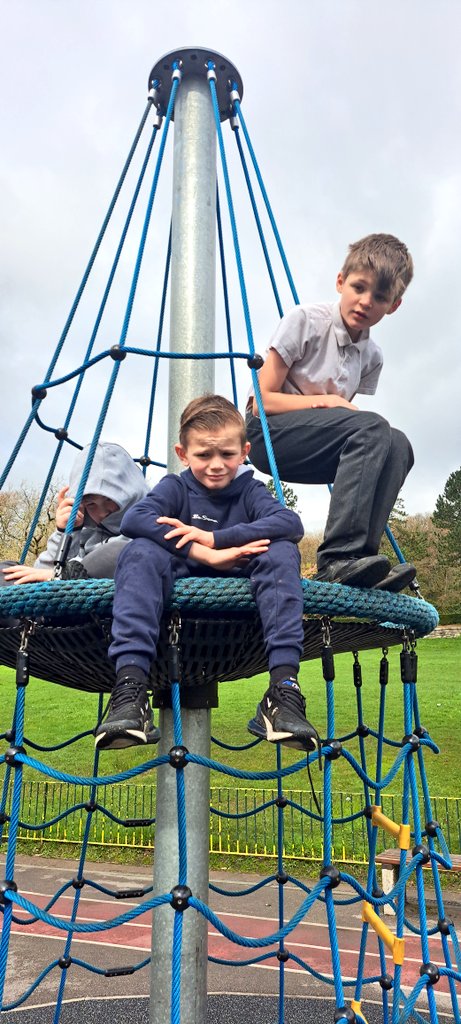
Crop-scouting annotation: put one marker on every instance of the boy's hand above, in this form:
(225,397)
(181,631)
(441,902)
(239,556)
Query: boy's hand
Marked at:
(187,533)
(26,574)
(63,507)
(330,402)
(229,558)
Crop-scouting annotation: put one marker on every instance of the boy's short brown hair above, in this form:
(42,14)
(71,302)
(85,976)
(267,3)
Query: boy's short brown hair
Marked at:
(209,412)
(387,257)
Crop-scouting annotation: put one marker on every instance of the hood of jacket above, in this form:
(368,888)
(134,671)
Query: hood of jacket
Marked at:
(114,475)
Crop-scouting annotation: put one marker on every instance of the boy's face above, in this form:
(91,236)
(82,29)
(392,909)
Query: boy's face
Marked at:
(362,304)
(98,507)
(214,456)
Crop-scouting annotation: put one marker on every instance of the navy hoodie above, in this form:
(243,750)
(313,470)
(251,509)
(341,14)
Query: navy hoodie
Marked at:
(242,512)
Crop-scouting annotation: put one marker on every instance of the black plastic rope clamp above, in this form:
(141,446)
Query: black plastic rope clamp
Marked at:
(281,877)
(10,756)
(432,972)
(22,667)
(178,757)
(117,353)
(119,972)
(61,434)
(336,749)
(4,886)
(333,873)
(431,829)
(344,1013)
(423,850)
(78,883)
(386,982)
(181,895)
(130,894)
(357,671)
(64,962)
(444,924)
(328,663)
(174,663)
(413,741)
(383,671)
(283,955)
(39,393)
(408,666)
(255,362)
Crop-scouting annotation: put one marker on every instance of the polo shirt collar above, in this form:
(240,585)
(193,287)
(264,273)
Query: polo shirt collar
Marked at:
(342,336)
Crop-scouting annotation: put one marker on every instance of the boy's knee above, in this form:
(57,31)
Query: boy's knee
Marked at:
(401,448)
(280,555)
(142,551)
(376,429)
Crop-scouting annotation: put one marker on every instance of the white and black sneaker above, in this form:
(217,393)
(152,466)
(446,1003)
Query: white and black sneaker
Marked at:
(129,721)
(281,718)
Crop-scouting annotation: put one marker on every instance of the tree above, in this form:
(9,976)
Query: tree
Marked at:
(291,499)
(447,518)
(17,509)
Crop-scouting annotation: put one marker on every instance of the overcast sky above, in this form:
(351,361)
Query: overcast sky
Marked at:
(354,112)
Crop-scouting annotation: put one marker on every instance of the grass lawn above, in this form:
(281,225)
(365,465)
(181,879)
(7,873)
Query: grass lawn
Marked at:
(54,713)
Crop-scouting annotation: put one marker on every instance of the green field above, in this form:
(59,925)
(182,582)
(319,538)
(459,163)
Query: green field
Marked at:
(54,713)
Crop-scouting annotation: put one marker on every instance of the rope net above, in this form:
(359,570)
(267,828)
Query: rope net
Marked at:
(423,855)
(59,631)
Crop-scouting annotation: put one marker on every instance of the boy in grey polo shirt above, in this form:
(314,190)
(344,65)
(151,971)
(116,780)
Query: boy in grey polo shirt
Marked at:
(319,358)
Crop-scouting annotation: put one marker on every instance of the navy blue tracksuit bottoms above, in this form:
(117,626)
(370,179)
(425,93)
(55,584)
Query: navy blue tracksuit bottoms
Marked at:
(145,576)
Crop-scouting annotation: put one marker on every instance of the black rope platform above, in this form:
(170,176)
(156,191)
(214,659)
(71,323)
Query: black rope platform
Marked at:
(221,636)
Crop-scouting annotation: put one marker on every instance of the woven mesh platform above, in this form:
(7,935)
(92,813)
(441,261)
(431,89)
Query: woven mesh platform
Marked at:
(221,637)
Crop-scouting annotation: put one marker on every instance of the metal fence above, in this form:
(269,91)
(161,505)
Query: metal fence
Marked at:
(125,818)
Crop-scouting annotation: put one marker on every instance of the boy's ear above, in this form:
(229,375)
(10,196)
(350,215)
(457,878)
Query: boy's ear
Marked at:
(181,453)
(339,282)
(395,305)
(245,450)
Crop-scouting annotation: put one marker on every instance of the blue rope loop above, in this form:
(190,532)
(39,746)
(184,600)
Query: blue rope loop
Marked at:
(79,599)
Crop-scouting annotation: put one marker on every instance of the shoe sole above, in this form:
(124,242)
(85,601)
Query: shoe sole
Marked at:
(118,740)
(285,738)
(396,581)
(364,578)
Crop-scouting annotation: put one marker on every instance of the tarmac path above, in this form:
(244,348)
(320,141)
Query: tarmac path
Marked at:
(32,948)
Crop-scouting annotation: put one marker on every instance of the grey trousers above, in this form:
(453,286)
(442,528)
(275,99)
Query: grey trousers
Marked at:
(365,458)
(100,563)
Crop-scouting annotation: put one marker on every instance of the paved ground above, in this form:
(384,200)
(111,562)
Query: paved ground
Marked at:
(254,989)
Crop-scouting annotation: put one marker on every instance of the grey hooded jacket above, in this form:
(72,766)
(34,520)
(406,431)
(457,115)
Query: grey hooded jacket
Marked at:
(114,475)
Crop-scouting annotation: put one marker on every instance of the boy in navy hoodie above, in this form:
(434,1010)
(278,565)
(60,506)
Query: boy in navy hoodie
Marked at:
(213,518)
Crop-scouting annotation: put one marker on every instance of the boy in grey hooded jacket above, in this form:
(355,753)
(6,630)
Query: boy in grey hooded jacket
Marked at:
(114,484)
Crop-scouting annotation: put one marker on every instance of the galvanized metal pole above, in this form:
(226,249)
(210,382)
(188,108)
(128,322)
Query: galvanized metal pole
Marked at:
(192,330)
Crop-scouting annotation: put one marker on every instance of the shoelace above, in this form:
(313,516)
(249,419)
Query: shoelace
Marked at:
(124,693)
(294,697)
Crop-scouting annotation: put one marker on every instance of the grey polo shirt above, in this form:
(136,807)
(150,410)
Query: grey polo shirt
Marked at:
(321,358)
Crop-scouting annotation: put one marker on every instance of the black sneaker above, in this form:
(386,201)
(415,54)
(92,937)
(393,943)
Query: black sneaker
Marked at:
(281,718)
(74,570)
(129,721)
(355,572)
(399,577)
